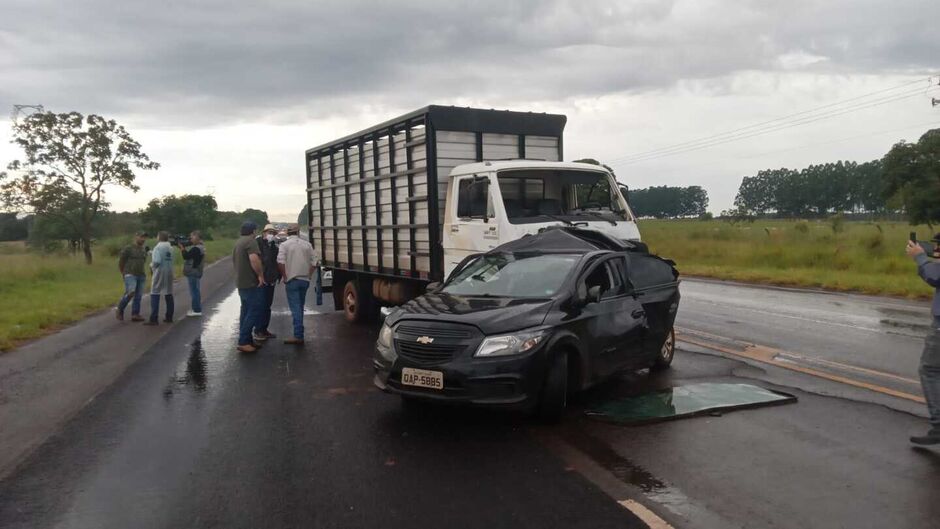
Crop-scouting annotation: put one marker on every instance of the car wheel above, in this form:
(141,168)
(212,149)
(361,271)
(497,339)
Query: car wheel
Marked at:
(353,302)
(554,396)
(666,352)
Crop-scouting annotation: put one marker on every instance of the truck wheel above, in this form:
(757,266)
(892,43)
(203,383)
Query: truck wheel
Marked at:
(354,303)
(666,353)
(554,396)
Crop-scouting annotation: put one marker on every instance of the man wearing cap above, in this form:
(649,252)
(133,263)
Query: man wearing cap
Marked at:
(267,245)
(131,264)
(249,278)
(296,261)
(929,271)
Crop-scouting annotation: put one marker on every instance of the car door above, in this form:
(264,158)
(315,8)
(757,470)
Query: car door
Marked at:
(633,326)
(471,227)
(612,323)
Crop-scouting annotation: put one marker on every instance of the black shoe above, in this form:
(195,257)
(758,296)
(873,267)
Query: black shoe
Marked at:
(932,438)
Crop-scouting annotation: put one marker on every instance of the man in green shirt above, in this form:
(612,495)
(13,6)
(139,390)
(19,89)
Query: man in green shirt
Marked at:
(131,264)
(249,279)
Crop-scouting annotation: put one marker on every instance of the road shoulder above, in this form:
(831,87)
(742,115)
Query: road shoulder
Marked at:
(47,381)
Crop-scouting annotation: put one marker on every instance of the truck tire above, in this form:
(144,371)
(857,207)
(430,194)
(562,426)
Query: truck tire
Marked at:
(554,397)
(666,352)
(355,303)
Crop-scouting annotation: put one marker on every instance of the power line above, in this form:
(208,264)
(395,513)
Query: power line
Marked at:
(705,143)
(763,123)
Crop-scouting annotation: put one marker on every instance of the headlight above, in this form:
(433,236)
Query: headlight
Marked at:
(510,344)
(384,344)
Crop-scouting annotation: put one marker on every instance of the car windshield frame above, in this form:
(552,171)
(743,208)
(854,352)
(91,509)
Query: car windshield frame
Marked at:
(468,273)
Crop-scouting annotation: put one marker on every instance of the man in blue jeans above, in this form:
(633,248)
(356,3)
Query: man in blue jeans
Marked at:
(131,264)
(296,261)
(195,260)
(249,278)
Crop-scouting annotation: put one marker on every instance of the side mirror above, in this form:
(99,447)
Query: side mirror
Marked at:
(431,287)
(384,313)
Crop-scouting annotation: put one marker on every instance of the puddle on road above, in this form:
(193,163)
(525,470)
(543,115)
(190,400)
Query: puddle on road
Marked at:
(686,401)
(211,352)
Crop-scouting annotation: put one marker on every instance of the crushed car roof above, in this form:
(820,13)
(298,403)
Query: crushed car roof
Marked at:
(564,240)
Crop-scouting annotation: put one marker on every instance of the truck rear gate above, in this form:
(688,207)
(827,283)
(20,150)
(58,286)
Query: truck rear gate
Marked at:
(376,198)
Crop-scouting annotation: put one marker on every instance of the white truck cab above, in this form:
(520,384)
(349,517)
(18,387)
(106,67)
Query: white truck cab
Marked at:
(493,202)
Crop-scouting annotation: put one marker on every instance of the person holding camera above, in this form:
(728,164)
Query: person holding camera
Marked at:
(267,245)
(195,256)
(929,271)
(161,262)
(131,264)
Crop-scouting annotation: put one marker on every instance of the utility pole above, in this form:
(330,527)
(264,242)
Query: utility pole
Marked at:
(18,109)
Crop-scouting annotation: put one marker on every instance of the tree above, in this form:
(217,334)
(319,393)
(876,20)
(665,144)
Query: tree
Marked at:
(257,216)
(912,177)
(181,214)
(13,227)
(70,161)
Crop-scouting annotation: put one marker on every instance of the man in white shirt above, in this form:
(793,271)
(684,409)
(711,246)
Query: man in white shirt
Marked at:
(296,261)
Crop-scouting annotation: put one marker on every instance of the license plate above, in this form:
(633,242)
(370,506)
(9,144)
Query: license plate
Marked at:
(422,378)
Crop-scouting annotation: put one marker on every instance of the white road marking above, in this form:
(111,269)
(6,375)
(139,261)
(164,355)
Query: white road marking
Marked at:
(649,517)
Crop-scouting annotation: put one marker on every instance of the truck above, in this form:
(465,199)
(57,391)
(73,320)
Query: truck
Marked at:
(396,207)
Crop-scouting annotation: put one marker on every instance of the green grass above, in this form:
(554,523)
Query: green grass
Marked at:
(40,293)
(865,257)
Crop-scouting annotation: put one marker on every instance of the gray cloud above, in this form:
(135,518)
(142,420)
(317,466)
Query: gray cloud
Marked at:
(211,62)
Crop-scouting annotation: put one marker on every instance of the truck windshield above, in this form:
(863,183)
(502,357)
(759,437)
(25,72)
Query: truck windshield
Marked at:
(507,275)
(539,195)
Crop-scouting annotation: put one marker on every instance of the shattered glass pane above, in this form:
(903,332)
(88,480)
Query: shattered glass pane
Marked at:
(687,401)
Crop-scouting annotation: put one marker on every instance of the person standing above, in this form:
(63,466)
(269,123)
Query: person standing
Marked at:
(131,264)
(929,271)
(267,245)
(193,265)
(161,262)
(296,262)
(249,278)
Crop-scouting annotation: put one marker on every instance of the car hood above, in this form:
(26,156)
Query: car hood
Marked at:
(490,315)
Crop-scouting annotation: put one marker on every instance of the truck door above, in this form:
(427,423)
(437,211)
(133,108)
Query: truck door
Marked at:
(471,227)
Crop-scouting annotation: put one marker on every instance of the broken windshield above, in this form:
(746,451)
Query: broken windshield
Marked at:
(508,275)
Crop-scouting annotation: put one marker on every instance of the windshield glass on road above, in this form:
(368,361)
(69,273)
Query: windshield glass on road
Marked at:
(540,195)
(507,275)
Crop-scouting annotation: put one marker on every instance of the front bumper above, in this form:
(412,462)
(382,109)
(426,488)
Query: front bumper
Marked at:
(509,382)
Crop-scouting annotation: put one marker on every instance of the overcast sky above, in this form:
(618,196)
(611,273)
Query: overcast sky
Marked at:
(227,95)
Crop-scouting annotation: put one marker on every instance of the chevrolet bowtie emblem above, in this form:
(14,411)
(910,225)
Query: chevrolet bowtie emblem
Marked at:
(424,340)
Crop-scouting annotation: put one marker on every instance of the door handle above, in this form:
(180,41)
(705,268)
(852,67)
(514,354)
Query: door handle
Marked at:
(638,313)
(454,229)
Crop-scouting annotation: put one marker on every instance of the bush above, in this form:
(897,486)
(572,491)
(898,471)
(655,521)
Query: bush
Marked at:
(113,246)
(801,226)
(837,223)
(706,216)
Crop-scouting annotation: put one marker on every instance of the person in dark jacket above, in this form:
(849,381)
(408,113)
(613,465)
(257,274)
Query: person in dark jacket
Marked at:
(929,271)
(267,243)
(131,264)
(193,265)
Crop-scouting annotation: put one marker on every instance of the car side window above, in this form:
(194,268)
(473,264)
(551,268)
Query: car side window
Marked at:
(599,277)
(618,269)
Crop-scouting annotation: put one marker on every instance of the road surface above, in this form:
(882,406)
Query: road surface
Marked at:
(195,435)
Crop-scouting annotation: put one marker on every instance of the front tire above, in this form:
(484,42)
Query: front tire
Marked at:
(666,352)
(554,396)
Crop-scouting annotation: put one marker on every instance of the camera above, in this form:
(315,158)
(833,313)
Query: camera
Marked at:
(931,248)
(180,240)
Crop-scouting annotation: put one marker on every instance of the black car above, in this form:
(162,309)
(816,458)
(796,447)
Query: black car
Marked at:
(526,323)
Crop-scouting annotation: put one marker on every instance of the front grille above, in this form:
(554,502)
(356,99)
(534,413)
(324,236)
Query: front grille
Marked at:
(436,332)
(427,354)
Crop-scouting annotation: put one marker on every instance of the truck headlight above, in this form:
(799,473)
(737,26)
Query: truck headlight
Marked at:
(510,344)
(384,344)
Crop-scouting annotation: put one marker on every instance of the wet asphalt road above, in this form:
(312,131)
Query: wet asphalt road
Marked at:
(195,435)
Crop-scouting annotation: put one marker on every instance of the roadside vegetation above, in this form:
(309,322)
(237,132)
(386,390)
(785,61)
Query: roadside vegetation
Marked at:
(836,254)
(41,292)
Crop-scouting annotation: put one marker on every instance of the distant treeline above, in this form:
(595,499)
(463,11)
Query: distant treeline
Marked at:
(815,191)
(175,214)
(665,202)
